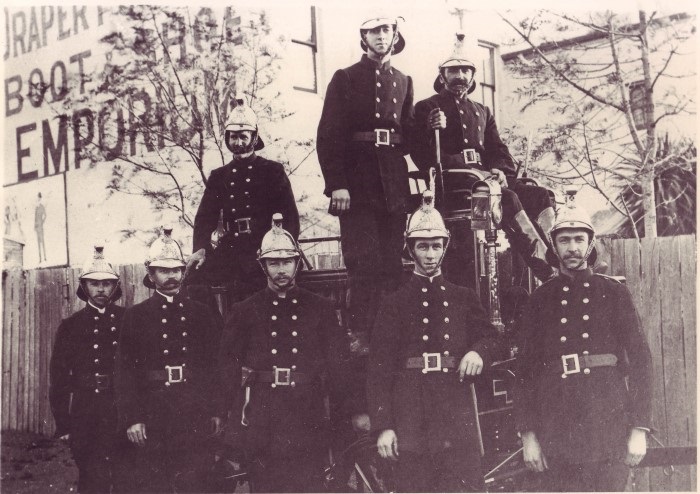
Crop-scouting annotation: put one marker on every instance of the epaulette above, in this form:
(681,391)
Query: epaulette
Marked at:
(618,279)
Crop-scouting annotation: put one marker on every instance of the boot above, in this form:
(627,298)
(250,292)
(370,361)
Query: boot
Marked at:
(524,237)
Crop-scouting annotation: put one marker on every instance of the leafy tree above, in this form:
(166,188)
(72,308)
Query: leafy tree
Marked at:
(161,101)
(593,133)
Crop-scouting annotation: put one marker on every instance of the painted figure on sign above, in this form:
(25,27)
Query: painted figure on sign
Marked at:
(39,220)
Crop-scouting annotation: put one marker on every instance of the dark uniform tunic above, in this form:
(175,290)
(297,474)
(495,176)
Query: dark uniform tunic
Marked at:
(470,125)
(249,191)
(585,417)
(183,334)
(81,393)
(361,98)
(286,436)
(431,413)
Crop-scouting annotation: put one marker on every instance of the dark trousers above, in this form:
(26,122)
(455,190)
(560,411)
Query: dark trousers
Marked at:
(286,474)
(446,471)
(372,241)
(601,476)
(160,467)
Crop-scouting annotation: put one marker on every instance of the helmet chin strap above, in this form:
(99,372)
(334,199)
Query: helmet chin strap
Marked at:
(110,299)
(297,262)
(442,257)
(591,244)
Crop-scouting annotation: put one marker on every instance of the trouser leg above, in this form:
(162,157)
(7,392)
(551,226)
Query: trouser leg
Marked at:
(602,476)
(302,473)
(371,242)
(414,472)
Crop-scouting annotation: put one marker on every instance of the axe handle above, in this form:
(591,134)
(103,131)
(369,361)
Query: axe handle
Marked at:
(440,193)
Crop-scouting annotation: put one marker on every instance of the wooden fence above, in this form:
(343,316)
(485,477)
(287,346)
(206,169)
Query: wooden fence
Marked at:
(661,274)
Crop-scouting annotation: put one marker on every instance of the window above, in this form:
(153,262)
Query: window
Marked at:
(302,52)
(486,75)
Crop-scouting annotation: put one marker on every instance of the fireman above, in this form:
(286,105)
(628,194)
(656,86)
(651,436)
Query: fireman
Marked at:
(236,210)
(469,139)
(278,361)
(582,399)
(164,379)
(81,370)
(428,337)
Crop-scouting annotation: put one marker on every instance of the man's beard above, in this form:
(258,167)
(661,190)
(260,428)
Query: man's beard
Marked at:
(248,148)
(458,86)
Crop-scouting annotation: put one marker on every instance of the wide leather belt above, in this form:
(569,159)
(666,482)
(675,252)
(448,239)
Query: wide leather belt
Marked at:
(239,225)
(172,374)
(280,376)
(575,363)
(470,157)
(100,382)
(432,362)
(380,137)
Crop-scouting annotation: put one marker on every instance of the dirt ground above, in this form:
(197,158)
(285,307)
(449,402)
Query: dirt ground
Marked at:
(32,463)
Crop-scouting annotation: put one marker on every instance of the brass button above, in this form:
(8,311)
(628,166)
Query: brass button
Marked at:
(273,334)
(442,288)
(564,320)
(294,333)
(562,339)
(566,288)
(274,318)
(564,302)
(294,317)
(585,336)
(586,371)
(447,337)
(165,336)
(274,351)
(275,302)
(586,284)
(424,289)
(586,317)
(445,303)
(96,331)
(425,303)
(294,350)
(585,300)
(425,337)
(164,321)
(95,346)
(165,352)
(294,301)
(184,333)
(425,320)
(447,319)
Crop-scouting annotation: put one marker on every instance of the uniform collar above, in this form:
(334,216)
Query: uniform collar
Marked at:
(582,275)
(291,293)
(93,307)
(169,298)
(446,93)
(428,280)
(373,64)
(244,161)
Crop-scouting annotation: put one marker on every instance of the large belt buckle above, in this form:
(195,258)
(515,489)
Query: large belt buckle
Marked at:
(471,157)
(243,225)
(428,365)
(383,137)
(570,368)
(283,376)
(175,374)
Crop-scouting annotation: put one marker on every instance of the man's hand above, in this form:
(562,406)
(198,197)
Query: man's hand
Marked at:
(340,200)
(64,438)
(532,453)
(196,260)
(217,426)
(500,176)
(636,447)
(437,119)
(360,422)
(137,434)
(471,365)
(387,445)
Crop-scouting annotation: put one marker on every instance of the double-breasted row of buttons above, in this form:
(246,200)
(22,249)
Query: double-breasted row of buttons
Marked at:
(174,327)
(463,110)
(104,342)
(281,323)
(441,319)
(566,318)
(387,106)
(238,195)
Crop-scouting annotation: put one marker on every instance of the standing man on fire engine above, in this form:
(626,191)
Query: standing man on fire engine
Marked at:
(583,389)
(367,111)
(236,210)
(428,337)
(81,370)
(164,379)
(276,367)
(469,139)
